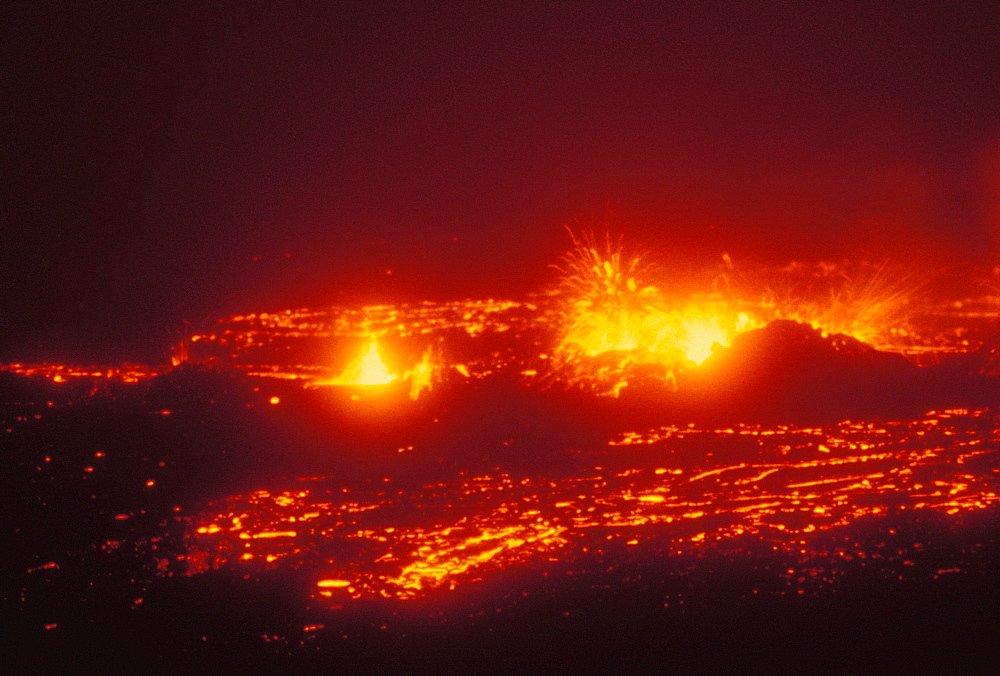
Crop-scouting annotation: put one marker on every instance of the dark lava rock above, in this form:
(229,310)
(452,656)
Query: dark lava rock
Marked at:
(984,361)
(789,371)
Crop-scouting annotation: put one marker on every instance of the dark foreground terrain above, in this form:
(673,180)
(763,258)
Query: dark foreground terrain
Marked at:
(104,483)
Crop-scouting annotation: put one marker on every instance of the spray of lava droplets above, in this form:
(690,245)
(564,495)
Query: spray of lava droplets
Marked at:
(614,319)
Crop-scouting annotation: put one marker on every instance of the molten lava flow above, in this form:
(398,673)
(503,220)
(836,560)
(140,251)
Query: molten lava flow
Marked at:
(368,369)
(796,484)
(421,375)
(61,373)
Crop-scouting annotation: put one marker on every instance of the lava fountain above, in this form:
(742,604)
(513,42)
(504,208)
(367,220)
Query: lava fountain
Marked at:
(616,321)
(367,369)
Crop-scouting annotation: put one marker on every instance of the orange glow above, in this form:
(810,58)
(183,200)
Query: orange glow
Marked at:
(370,369)
(870,302)
(61,373)
(652,492)
(700,335)
(609,308)
(421,375)
(445,558)
(269,535)
(613,321)
(786,493)
(616,320)
(367,369)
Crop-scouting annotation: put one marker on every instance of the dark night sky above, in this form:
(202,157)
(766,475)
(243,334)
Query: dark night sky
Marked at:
(174,161)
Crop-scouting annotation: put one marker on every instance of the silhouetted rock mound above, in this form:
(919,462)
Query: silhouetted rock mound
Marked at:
(790,371)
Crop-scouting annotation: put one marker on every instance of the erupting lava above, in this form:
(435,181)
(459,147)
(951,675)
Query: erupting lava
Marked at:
(421,376)
(368,369)
(634,479)
(610,308)
(870,302)
(617,322)
(702,333)
(612,320)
